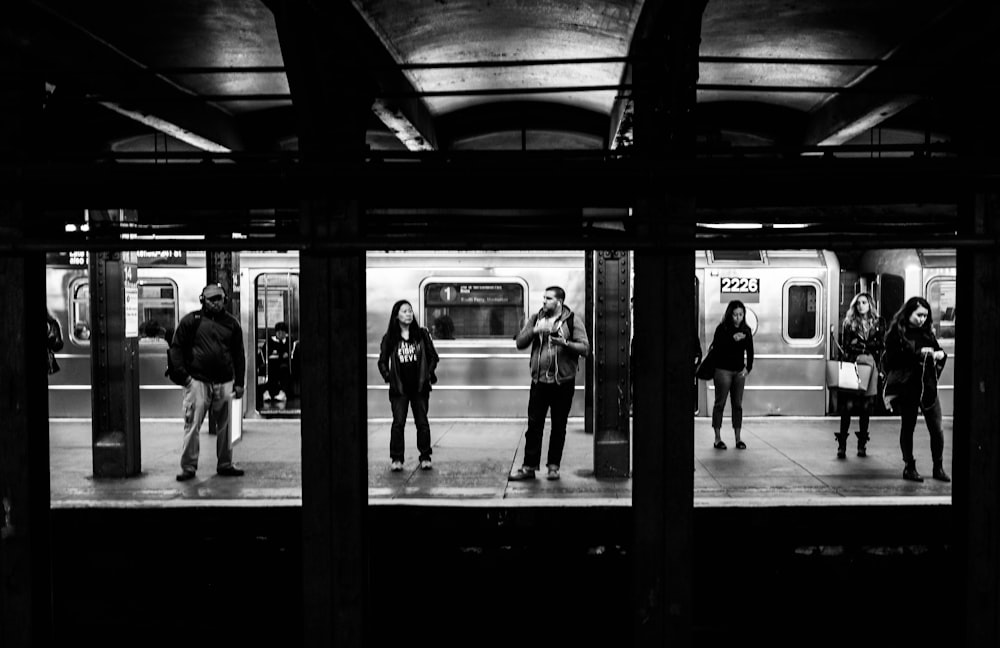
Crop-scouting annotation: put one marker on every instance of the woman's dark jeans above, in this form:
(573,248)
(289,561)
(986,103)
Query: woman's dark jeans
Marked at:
(932,416)
(419,405)
(728,383)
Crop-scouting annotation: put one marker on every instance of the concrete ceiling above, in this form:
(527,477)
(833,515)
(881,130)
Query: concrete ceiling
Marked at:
(122,74)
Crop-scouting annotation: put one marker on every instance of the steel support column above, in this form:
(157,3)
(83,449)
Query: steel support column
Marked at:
(25,537)
(114,356)
(588,389)
(223,268)
(612,321)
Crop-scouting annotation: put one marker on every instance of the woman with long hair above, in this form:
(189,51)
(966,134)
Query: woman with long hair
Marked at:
(732,349)
(913,362)
(862,342)
(407,361)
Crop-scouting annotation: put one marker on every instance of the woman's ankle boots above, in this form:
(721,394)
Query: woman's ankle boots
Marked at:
(862,443)
(841,444)
(939,473)
(910,472)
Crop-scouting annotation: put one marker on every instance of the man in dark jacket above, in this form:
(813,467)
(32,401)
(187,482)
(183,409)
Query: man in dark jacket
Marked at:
(207,355)
(558,339)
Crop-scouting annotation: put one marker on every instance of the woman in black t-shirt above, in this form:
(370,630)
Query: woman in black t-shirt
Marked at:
(732,350)
(407,361)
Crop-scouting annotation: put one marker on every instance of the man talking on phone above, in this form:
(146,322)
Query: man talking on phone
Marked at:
(558,339)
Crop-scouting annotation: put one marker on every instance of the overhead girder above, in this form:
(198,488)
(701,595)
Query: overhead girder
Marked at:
(405,114)
(653,26)
(919,69)
(79,63)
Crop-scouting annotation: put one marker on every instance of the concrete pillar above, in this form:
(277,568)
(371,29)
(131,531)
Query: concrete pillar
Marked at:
(25,540)
(664,77)
(333,103)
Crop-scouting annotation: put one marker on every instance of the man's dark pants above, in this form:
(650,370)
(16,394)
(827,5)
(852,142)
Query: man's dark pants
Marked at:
(544,396)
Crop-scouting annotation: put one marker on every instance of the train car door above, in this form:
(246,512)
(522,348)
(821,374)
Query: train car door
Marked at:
(276,299)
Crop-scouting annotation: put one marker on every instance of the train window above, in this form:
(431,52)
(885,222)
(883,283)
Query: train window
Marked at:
(941,297)
(79,308)
(736,255)
(462,309)
(157,310)
(802,312)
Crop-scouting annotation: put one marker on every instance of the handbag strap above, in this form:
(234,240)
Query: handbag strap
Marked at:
(836,342)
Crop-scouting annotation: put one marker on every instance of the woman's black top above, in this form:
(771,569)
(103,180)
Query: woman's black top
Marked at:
(729,354)
(857,342)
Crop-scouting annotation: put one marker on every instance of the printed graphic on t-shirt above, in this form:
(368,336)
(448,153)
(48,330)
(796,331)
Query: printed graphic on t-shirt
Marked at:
(407,352)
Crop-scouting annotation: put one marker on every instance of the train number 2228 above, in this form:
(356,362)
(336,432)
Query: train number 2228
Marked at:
(742,285)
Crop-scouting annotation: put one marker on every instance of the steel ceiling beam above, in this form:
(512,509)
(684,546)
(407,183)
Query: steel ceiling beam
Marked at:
(867,105)
(76,58)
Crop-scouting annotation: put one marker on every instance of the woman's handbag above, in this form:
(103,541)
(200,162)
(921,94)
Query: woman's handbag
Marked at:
(848,376)
(706,370)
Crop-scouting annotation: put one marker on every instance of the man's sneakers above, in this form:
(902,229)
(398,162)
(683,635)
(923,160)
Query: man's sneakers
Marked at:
(185,476)
(281,396)
(228,471)
(522,474)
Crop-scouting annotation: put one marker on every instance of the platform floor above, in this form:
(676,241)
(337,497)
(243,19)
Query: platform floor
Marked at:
(788,461)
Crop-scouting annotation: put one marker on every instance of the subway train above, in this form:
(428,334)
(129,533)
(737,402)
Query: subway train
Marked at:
(474,302)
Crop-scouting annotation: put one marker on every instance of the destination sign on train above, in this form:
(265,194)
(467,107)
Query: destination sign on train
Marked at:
(745,288)
(474,293)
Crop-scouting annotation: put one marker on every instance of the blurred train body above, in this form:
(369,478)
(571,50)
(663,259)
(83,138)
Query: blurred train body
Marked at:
(474,303)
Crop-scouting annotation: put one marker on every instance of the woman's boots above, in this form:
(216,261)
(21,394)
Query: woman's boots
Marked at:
(910,472)
(939,473)
(841,444)
(862,443)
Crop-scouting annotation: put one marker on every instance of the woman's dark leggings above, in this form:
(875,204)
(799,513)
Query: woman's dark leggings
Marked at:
(863,405)
(932,415)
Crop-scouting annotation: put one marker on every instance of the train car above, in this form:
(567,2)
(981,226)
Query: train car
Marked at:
(474,303)
(790,296)
(893,276)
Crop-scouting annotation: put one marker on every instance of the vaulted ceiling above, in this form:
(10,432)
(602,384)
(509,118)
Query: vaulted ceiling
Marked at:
(497,74)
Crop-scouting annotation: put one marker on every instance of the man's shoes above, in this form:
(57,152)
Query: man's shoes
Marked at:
(229,471)
(185,476)
(522,474)
(267,396)
(425,464)
(281,396)
(553,472)
(396,466)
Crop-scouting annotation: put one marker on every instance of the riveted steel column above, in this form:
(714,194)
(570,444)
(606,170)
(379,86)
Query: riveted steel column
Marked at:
(611,364)
(223,268)
(114,355)
(25,540)
(588,401)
